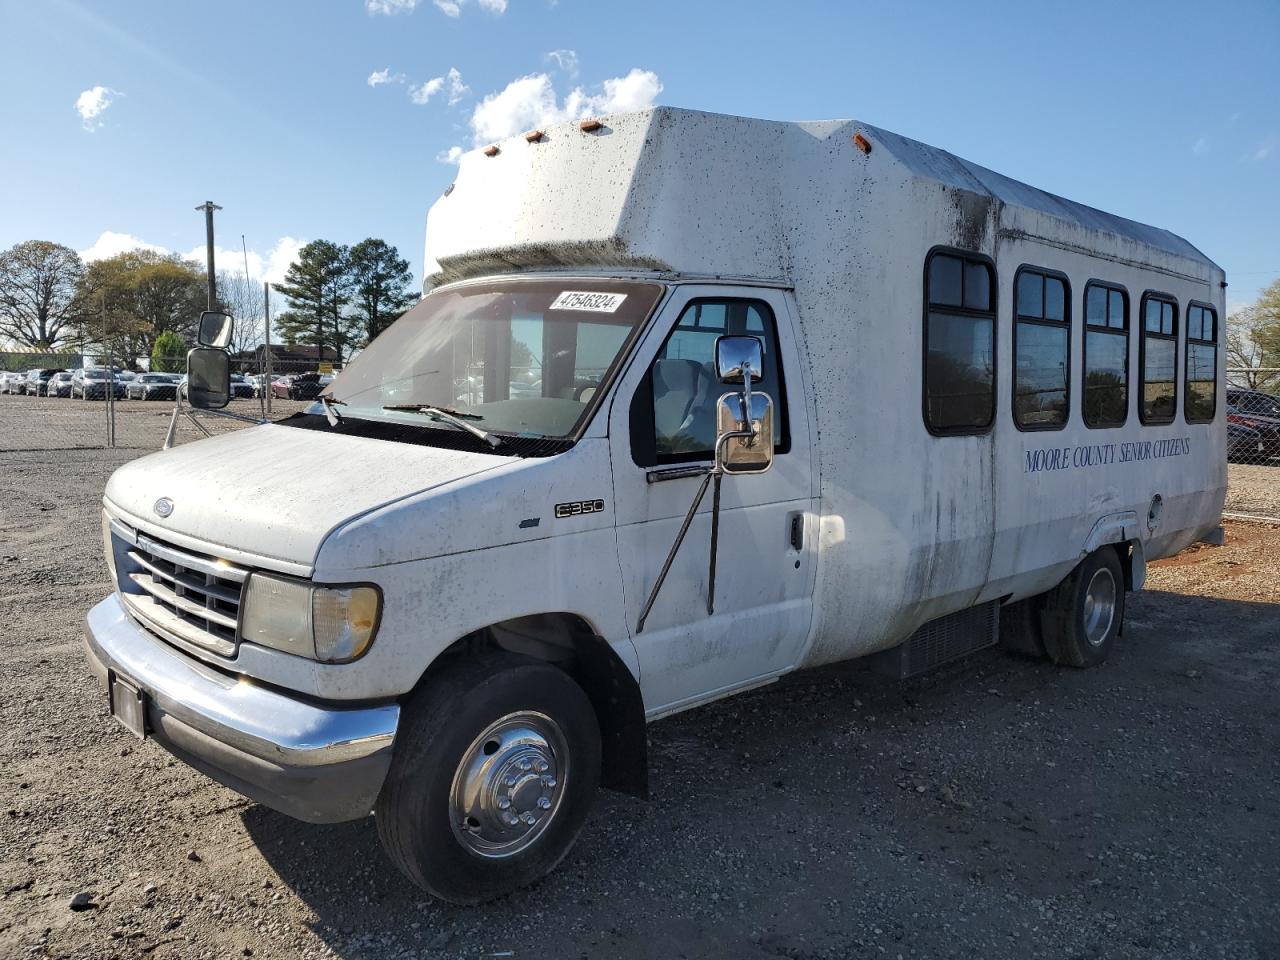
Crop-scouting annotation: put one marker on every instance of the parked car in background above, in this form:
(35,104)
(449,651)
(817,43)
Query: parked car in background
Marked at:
(241,387)
(298,386)
(1243,443)
(92,383)
(59,384)
(152,386)
(38,380)
(1268,429)
(1254,402)
(9,381)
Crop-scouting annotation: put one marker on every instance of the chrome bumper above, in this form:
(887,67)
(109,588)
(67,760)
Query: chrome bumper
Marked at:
(322,764)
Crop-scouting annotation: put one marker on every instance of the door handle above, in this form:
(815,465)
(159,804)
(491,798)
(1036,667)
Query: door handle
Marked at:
(795,530)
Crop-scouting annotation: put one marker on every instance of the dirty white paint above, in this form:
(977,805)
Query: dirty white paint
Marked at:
(900,526)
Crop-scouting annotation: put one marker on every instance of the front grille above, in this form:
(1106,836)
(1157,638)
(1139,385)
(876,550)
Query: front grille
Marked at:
(183,596)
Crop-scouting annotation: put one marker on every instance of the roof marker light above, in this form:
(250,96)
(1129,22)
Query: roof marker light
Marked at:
(590,126)
(533,136)
(862,143)
(491,150)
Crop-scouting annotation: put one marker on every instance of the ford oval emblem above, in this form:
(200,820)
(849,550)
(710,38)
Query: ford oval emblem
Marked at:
(163,507)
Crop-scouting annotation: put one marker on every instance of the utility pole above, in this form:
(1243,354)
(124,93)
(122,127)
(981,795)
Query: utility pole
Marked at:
(266,313)
(208,207)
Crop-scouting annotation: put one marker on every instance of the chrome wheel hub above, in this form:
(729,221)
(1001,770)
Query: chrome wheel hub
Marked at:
(509,784)
(1099,606)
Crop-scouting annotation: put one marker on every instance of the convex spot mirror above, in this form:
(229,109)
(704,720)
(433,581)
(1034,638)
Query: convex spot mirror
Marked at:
(742,446)
(214,329)
(208,378)
(735,354)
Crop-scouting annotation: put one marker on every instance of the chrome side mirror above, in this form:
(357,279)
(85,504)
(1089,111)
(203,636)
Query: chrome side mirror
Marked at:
(214,329)
(744,445)
(735,356)
(208,378)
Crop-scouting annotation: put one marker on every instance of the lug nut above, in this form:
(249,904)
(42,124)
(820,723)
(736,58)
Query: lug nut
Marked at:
(544,803)
(549,782)
(540,766)
(511,819)
(510,781)
(503,803)
(526,764)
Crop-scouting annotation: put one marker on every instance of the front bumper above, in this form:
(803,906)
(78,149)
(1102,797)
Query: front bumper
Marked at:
(321,764)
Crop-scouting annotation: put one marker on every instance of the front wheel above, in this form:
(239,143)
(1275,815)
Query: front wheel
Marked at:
(1081,617)
(496,764)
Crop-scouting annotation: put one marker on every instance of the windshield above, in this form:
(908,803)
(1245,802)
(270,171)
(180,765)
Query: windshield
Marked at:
(95,374)
(524,357)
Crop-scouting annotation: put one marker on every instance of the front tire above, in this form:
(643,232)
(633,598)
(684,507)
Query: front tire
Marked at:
(1081,617)
(496,764)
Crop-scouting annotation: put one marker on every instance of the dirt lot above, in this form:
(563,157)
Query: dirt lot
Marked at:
(999,808)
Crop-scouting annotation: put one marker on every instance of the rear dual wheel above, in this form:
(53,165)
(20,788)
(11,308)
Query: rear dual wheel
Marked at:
(1081,617)
(496,763)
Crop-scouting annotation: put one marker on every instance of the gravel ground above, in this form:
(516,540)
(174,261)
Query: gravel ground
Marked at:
(1000,808)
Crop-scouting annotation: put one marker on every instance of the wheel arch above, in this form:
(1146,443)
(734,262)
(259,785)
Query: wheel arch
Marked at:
(569,641)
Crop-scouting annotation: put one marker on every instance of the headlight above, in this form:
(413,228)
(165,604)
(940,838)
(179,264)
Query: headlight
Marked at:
(329,624)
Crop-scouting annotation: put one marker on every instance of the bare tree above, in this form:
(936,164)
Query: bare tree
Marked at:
(38,283)
(1253,347)
(242,298)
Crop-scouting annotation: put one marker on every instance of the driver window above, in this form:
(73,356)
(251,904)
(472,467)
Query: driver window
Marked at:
(673,416)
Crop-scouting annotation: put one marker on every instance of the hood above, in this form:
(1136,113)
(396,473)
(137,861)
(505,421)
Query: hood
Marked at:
(276,492)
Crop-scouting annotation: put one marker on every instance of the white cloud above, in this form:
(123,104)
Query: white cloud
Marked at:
(453,80)
(1264,149)
(269,267)
(566,61)
(1200,147)
(110,243)
(379,77)
(424,92)
(390,7)
(93,103)
(453,8)
(531,102)
(452,155)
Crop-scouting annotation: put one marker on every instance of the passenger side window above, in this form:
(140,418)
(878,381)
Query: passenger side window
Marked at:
(1106,355)
(1041,350)
(1202,364)
(959,344)
(1158,363)
(673,416)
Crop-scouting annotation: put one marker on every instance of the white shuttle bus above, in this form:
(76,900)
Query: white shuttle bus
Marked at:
(693,401)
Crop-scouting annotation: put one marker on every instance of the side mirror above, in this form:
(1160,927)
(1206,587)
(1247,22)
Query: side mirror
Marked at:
(744,446)
(214,329)
(208,378)
(735,354)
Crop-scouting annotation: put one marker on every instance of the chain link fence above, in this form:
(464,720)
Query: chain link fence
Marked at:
(1253,441)
(75,401)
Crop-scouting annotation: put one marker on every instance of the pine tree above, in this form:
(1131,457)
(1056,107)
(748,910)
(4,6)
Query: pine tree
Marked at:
(380,279)
(318,286)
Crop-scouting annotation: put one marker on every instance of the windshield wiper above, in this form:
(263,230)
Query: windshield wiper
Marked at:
(449,416)
(330,414)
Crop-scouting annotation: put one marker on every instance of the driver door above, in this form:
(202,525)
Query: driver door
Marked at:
(662,430)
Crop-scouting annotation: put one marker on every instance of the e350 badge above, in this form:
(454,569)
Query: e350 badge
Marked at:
(577,507)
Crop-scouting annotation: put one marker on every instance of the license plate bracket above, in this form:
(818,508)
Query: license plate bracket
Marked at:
(129,706)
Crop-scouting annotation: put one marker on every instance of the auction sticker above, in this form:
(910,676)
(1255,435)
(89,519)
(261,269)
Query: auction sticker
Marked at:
(591,302)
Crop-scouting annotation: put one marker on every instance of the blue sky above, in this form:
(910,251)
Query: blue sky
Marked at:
(119,118)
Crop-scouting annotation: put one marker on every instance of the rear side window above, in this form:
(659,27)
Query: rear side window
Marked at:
(1202,363)
(1041,350)
(1106,355)
(959,343)
(673,415)
(1158,360)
